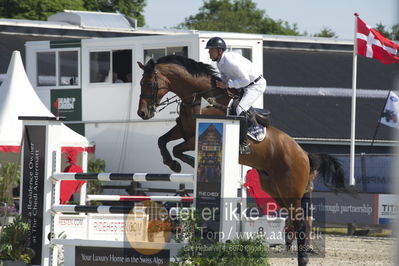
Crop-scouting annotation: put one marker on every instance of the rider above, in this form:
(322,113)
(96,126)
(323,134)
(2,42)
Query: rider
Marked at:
(238,72)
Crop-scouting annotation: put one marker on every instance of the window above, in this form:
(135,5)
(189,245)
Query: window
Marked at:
(99,66)
(107,66)
(68,64)
(158,53)
(57,68)
(46,69)
(245,52)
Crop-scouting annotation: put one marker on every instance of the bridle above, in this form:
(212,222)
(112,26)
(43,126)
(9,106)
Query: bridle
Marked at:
(154,92)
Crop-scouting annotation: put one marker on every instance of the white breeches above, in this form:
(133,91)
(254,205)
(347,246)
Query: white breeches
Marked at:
(251,94)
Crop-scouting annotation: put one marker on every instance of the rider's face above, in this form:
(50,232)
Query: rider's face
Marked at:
(213,53)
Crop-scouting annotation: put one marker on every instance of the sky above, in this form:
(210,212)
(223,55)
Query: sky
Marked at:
(309,15)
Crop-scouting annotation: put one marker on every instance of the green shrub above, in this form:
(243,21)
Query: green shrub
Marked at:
(9,178)
(200,251)
(13,244)
(95,166)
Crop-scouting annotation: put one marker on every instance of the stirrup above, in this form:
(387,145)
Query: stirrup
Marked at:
(245,149)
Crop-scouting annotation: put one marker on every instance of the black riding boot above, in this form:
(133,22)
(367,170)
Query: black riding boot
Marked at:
(244,145)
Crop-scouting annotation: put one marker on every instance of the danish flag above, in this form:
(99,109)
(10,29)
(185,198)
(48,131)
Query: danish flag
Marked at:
(372,44)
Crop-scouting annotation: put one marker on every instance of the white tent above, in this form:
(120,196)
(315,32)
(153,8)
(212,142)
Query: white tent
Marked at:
(18,98)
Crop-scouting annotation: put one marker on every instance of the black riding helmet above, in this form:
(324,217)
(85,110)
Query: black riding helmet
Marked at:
(216,42)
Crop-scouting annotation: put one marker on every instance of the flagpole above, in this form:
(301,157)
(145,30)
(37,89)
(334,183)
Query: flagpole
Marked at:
(353,112)
(379,119)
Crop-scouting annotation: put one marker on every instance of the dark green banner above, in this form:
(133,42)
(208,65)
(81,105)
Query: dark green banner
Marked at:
(68,103)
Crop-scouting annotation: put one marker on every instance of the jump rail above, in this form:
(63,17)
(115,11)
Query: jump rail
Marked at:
(137,177)
(140,198)
(92,209)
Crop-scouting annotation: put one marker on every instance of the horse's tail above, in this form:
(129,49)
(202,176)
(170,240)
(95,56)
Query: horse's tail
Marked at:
(330,169)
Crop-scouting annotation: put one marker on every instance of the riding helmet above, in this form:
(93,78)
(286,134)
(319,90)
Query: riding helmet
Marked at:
(216,42)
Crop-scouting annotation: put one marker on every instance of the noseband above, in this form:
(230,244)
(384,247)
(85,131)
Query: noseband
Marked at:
(154,92)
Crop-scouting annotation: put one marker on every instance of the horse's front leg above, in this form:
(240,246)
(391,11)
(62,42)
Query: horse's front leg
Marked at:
(188,145)
(172,134)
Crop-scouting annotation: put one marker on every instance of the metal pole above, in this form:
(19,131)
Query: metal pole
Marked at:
(353,114)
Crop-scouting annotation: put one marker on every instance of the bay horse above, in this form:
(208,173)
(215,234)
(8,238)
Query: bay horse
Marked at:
(284,167)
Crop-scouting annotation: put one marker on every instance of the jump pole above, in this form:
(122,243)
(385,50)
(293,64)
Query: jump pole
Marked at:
(217,180)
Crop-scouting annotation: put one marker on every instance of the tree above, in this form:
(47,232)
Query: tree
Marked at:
(326,32)
(395,32)
(393,35)
(381,29)
(42,9)
(236,16)
(36,9)
(131,8)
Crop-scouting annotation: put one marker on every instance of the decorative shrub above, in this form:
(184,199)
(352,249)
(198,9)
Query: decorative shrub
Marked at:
(13,244)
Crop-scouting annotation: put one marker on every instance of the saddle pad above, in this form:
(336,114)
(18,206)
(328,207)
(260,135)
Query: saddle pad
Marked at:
(257,133)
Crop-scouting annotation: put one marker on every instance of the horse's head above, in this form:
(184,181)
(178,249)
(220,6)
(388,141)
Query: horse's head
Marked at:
(153,87)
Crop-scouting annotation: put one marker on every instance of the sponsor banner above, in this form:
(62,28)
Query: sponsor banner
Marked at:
(387,208)
(342,208)
(107,227)
(72,226)
(97,256)
(33,186)
(209,156)
(68,103)
(373,174)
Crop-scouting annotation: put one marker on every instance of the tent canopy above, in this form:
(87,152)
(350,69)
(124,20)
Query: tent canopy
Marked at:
(18,98)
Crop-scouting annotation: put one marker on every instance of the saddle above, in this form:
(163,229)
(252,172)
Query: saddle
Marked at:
(257,121)
(262,116)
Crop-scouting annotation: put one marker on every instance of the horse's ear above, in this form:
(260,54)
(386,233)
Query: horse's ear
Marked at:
(141,65)
(150,65)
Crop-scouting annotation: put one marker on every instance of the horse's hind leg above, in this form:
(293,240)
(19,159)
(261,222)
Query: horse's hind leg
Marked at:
(300,232)
(172,134)
(187,145)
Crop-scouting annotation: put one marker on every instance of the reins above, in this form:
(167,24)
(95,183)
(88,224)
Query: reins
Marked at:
(194,95)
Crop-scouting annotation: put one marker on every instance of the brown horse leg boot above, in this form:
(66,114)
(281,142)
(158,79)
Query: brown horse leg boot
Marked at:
(244,145)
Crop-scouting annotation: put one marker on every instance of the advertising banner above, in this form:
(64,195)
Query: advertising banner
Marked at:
(97,256)
(387,209)
(342,208)
(209,156)
(33,186)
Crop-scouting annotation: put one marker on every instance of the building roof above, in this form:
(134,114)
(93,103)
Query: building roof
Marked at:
(95,19)
(12,42)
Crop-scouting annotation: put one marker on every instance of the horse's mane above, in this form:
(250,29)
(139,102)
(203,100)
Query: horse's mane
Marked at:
(193,67)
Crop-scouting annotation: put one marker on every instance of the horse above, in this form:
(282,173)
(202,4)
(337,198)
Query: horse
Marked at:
(284,167)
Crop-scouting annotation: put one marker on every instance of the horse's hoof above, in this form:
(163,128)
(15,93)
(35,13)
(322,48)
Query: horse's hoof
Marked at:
(175,166)
(303,261)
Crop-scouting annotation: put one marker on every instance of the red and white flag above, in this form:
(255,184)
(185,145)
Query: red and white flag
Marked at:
(372,44)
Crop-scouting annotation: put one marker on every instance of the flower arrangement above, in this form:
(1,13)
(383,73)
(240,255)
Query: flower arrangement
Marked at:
(8,210)
(155,226)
